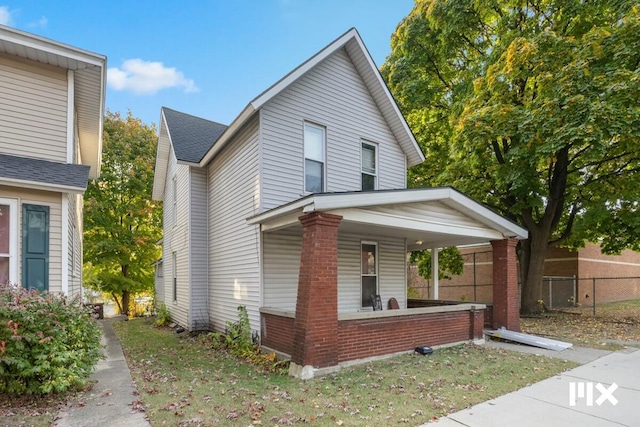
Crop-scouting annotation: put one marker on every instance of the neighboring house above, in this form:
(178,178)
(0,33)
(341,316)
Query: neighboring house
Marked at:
(569,277)
(51,109)
(299,211)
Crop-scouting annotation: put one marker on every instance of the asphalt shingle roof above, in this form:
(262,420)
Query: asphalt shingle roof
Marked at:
(191,136)
(43,171)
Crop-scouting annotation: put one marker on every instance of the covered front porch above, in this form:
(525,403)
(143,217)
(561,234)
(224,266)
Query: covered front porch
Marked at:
(325,254)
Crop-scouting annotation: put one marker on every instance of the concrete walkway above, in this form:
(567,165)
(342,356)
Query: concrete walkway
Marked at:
(548,403)
(111,402)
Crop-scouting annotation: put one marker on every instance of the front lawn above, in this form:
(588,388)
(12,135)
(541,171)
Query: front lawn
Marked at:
(183,381)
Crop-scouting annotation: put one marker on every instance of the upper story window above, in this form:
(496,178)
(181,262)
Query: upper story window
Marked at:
(314,158)
(369,167)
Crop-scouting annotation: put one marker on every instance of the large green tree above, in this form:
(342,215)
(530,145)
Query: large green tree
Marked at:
(121,222)
(532,107)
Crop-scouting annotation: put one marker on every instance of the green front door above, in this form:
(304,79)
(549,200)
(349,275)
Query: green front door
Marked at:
(35,247)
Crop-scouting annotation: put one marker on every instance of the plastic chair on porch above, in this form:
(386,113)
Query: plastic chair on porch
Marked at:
(376,302)
(393,304)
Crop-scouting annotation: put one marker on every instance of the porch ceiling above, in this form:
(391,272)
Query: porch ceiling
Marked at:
(427,218)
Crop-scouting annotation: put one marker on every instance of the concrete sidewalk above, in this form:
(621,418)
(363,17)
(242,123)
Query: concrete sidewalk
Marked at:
(111,401)
(548,402)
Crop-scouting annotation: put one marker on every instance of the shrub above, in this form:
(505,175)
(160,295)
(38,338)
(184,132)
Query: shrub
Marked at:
(241,343)
(48,342)
(163,316)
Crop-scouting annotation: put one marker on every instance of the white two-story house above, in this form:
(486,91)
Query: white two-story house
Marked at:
(51,109)
(299,211)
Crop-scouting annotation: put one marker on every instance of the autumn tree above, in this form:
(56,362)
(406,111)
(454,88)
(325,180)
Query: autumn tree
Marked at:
(121,222)
(531,107)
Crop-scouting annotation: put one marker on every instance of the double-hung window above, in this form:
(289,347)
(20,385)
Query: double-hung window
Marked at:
(369,167)
(314,158)
(369,266)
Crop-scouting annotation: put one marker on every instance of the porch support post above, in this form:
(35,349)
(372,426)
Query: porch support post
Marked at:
(506,304)
(315,328)
(434,272)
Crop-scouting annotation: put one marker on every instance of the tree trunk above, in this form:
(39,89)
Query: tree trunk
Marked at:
(532,256)
(118,303)
(125,302)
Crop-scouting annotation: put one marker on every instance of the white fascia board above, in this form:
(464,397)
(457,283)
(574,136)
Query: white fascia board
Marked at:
(484,214)
(396,221)
(392,102)
(297,207)
(41,186)
(227,134)
(298,72)
(42,44)
(162,161)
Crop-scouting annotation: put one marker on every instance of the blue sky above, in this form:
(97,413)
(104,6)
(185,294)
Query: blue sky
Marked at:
(206,58)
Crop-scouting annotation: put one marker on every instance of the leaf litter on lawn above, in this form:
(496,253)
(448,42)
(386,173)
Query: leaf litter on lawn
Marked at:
(183,381)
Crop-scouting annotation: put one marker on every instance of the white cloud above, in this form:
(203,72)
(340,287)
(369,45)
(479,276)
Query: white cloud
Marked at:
(40,23)
(5,15)
(146,78)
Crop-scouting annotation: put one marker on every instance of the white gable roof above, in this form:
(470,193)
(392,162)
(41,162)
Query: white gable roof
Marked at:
(363,62)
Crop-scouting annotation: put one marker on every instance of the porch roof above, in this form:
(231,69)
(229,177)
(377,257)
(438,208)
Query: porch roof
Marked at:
(427,218)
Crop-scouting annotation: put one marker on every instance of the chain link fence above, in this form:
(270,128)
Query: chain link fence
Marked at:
(557,292)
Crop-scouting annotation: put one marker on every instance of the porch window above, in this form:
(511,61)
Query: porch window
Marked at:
(369,167)
(8,241)
(174,280)
(369,263)
(314,158)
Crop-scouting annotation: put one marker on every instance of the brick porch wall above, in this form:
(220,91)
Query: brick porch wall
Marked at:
(276,332)
(362,338)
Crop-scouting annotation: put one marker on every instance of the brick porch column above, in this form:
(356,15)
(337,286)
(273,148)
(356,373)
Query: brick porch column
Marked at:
(315,329)
(506,301)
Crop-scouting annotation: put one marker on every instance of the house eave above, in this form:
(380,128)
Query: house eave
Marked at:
(89,80)
(388,211)
(43,186)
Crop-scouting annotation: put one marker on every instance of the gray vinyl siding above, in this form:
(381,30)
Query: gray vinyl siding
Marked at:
(176,239)
(282,263)
(234,262)
(332,95)
(198,249)
(281,259)
(33,111)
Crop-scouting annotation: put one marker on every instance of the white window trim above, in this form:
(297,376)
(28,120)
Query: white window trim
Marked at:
(13,238)
(375,152)
(324,157)
(376,275)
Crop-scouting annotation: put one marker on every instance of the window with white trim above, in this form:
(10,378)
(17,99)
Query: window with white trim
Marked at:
(369,166)
(314,158)
(8,241)
(369,271)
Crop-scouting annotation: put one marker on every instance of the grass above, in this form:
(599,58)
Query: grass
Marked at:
(183,381)
(615,325)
